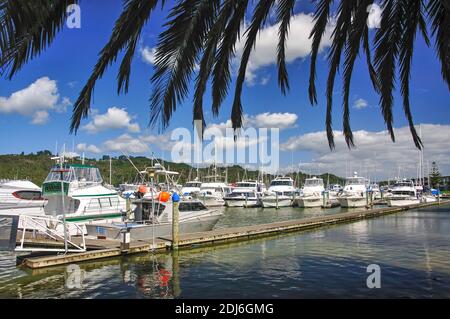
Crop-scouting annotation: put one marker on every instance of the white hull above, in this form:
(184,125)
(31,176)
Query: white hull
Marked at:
(242,203)
(402,202)
(352,202)
(271,202)
(310,202)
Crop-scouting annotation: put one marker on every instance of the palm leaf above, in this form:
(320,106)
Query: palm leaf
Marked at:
(125,34)
(285,10)
(260,14)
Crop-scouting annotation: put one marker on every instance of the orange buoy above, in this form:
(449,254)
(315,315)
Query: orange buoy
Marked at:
(164,197)
(142,189)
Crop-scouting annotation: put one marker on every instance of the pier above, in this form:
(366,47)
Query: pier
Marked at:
(102,248)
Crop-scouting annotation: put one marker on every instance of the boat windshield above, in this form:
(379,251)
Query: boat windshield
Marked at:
(281,183)
(193,184)
(356,181)
(403,184)
(314,182)
(86,174)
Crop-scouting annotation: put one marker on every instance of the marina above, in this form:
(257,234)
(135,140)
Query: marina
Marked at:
(213,237)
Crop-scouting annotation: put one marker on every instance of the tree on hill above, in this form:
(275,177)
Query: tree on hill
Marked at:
(435,175)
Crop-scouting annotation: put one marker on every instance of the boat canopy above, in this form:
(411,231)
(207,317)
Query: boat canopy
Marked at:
(75,173)
(404,184)
(193,184)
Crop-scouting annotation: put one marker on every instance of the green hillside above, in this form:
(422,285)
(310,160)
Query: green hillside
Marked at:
(35,167)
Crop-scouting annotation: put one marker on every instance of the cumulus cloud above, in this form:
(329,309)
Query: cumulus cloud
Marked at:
(83,147)
(114,118)
(148,55)
(360,104)
(126,143)
(35,101)
(298,44)
(375,154)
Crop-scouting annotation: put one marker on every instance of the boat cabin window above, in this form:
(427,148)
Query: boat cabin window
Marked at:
(356,181)
(243,194)
(193,184)
(28,195)
(405,193)
(281,183)
(247,185)
(403,184)
(191,206)
(314,182)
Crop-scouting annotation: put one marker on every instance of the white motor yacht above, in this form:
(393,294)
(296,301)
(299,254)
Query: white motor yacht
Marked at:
(212,193)
(312,193)
(403,194)
(21,197)
(281,193)
(245,194)
(354,193)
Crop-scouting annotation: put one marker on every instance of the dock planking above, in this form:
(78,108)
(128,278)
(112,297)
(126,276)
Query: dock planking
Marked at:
(101,248)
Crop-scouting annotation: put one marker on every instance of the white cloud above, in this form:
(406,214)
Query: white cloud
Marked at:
(40,118)
(126,143)
(83,147)
(35,101)
(375,154)
(298,44)
(360,104)
(262,120)
(148,55)
(114,118)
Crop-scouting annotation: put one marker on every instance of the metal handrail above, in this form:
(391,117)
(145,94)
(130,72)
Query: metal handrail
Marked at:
(41,224)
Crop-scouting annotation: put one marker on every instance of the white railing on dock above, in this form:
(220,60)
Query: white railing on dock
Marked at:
(48,227)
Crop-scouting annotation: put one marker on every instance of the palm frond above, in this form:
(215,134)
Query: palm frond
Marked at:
(340,34)
(321,19)
(207,61)
(372,72)
(285,10)
(413,15)
(387,41)
(439,14)
(176,55)
(28,27)
(260,14)
(226,51)
(356,34)
(125,34)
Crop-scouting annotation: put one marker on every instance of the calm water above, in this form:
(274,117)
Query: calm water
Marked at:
(412,249)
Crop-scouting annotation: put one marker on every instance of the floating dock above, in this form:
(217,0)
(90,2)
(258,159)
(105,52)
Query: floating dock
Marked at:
(102,248)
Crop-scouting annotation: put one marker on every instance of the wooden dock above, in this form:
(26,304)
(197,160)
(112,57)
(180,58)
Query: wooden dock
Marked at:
(101,248)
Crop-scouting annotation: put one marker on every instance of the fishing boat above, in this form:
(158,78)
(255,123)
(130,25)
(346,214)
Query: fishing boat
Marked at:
(281,193)
(245,194)
(403,194)
(312,193)
(354,193)
(76,192)
(153,218)
(21,197)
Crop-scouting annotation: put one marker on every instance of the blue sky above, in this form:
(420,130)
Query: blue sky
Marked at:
(70,59)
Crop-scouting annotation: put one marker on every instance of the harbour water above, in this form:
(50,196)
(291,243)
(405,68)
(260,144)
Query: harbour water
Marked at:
(411,248)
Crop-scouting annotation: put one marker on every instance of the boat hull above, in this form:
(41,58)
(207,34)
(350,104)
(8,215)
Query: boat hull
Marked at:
(352,202)
(242,203)
(402,202)
(162,230)
(310,202)
(272,202)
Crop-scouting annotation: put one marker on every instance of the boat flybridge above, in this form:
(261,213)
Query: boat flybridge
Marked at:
(76,191)
(354,193)
(403,194)
(312,193)
(281,193)
(245,194)
(21,197)
(191,188)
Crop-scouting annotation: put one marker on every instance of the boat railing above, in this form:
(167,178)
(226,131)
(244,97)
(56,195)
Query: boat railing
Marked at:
(48,228)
